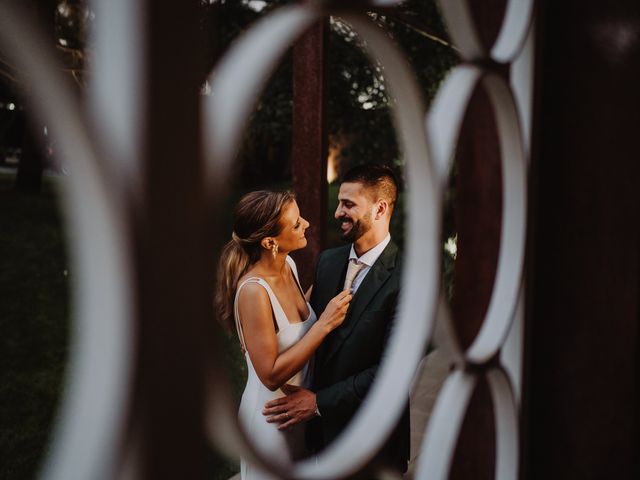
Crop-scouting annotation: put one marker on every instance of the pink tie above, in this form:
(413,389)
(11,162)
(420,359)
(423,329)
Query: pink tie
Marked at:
(352,272)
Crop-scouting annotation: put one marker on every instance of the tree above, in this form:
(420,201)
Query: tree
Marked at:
(358,113)
(64,23)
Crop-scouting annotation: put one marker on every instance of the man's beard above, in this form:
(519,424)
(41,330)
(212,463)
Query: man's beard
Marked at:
(358,228)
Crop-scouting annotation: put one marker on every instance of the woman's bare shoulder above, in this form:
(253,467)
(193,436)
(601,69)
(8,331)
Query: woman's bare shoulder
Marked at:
(252,293)
(250,285)
(254,306)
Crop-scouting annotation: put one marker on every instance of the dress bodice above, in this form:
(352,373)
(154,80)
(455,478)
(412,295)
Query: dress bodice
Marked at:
(288,333)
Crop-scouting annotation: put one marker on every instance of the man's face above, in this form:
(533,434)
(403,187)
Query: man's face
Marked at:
(354,211)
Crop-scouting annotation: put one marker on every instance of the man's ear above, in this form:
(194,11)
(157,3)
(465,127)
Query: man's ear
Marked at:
(382,207)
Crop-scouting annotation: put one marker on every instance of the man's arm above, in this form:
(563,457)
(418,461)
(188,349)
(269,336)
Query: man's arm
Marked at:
(301,405)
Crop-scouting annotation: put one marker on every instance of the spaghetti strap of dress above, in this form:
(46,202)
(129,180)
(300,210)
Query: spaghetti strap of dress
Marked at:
(236,313)
(278,312)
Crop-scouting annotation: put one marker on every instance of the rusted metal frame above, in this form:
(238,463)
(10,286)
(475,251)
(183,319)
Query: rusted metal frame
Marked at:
(309,142)
(582,342)
(478,215)
(171,252)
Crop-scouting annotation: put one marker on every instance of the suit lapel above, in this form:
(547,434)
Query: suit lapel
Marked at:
(372,283)
(328,285)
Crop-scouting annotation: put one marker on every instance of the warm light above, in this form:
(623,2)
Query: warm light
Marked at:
(337,144)
(451,246)
(332,172)
(256,5)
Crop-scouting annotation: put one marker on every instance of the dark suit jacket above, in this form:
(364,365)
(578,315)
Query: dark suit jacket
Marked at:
(347,361)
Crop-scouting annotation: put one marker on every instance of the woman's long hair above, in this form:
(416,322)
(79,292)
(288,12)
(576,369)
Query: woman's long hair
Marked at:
(256,216)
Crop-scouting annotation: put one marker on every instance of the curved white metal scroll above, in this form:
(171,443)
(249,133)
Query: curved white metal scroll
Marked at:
(94,404)
(508,278)
(443,126)
(513,31)
(236,84)
(92,413)
(116,102)
(506,424)
(444,426)
(448,415)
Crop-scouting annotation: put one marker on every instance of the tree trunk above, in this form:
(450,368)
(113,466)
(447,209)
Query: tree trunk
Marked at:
(30,168)
(29,175)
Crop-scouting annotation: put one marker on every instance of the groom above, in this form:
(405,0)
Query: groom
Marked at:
(347,361)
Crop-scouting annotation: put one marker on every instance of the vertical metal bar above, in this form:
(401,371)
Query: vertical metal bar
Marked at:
(488,16)
(309,144)
(31,166)
(478,214)
(171,251)
(582,343)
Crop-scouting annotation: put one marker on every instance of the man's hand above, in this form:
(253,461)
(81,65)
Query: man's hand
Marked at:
(299,405)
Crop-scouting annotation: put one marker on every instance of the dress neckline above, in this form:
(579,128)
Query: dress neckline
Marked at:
(270,290)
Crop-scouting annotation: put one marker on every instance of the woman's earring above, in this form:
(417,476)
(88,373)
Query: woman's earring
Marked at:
(274,250)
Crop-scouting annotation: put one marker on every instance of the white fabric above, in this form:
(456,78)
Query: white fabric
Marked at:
(280,446)
(368,259)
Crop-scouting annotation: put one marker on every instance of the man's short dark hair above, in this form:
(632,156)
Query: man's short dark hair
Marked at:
(377,177)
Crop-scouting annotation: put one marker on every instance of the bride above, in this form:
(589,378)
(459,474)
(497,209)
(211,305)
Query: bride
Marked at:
(258,292)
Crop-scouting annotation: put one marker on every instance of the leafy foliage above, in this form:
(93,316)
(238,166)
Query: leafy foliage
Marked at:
(358,112)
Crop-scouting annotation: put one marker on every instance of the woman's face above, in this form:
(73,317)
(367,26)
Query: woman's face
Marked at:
(293,227)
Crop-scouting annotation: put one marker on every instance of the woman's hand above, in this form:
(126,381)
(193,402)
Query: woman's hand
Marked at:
(336,310)
(273,367)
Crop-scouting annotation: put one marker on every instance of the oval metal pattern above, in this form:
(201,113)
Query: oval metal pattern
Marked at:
(92,411)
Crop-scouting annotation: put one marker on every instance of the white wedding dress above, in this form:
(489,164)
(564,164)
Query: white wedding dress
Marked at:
(281,447)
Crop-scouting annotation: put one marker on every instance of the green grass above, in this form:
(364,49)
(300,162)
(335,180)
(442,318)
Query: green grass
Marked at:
(34,325)
(35,328)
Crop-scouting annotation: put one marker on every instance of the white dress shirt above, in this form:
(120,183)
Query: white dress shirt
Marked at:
(368,259)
